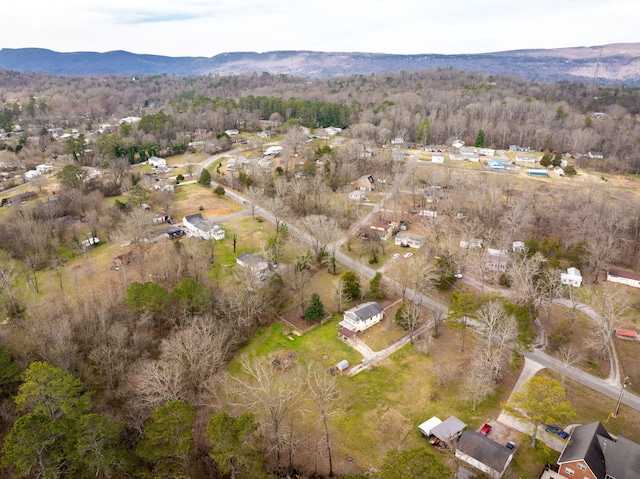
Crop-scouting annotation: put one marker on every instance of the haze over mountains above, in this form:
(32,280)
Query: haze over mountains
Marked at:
(614,64)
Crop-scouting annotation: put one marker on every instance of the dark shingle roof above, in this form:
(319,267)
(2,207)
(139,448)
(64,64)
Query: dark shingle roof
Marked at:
(485,450)
(365,311)
(621,457)
(584,445)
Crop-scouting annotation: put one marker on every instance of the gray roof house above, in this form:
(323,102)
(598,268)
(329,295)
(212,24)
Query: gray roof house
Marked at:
(254,262)
(484,454)
(593,452)
(200,227)
(362,317)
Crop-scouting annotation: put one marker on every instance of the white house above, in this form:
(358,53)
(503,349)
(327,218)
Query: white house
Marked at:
(332,130)
(572,277)
(630,278)
(130,119)
(253,262)
(428,213)
(437,158)
(31,174)
(473,243)
(487,152)
(44,168)
(526,158)
(273,150)
(200,227)
(595,155)
(232,132)
(357,195)
(89,242)
(362,317)
(517,246)
(458,144)
(409,240)
(398,140)
(470,154)
(484,454)
(497,260)
(157,162)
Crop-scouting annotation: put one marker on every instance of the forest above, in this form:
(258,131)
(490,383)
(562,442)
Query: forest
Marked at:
(141,368)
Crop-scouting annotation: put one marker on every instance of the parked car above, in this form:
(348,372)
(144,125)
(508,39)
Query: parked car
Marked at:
(395,256)
(413,212)
(557,431)
(486,429)
(408,255)
(511,445)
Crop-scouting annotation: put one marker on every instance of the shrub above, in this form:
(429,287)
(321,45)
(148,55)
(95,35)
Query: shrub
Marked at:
(219,190)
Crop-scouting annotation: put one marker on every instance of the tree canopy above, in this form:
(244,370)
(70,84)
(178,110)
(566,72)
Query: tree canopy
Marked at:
(541,400)
(234,445)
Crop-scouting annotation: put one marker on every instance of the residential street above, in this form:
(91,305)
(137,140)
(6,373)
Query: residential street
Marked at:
(602,386)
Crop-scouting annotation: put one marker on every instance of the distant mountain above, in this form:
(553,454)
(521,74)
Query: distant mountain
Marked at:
(615,64)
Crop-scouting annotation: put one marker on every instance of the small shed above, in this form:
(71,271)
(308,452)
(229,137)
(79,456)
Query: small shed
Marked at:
(449,429)
(627,334)
(540,173)
(343,365)
(427,426)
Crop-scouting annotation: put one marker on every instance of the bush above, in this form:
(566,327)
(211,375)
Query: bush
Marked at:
(219,190)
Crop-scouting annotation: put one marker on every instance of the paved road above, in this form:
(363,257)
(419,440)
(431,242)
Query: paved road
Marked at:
(547,361)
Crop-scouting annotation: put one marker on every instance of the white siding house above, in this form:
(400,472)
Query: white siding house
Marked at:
(200,227)
(437,158)
(411,240)
(157,162)
(357,195)
(630,278)
(572,277)
(362,317)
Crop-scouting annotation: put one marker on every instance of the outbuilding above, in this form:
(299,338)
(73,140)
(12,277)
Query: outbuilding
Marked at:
(426,427)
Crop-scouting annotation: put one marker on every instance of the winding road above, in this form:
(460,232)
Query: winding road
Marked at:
(610,388)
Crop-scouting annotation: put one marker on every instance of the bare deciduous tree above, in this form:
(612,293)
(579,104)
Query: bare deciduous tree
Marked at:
(272,392)
(323,389)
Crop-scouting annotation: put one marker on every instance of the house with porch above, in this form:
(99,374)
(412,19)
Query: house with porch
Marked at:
(362,317)
(484,454)
(200,227)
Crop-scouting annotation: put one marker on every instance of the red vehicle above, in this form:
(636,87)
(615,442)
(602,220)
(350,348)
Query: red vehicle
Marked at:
(486,429)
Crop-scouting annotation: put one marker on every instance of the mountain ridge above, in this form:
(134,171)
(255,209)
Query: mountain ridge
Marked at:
(615,64)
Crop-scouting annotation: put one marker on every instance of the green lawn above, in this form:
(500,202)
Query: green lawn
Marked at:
(379,408)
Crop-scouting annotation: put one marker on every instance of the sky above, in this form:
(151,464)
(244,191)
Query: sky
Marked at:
(209,27)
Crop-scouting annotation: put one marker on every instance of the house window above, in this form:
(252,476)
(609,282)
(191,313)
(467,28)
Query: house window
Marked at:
(569,471)
(581,466)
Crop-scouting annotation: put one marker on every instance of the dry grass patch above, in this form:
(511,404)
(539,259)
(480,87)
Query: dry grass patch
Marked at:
(191,197)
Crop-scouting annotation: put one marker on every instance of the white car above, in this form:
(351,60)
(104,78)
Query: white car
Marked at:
(395,256)
(408,255)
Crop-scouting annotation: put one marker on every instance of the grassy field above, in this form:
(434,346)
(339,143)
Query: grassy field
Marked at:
(380,408)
